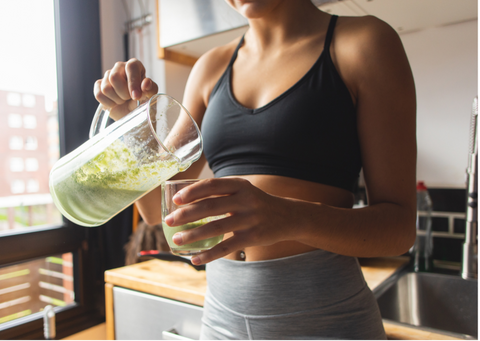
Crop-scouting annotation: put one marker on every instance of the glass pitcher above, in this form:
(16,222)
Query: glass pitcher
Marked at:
(124,161)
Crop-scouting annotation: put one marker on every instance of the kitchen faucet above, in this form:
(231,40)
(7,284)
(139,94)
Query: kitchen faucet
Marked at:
(470,246)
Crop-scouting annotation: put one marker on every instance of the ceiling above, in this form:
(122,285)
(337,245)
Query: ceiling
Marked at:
(408,15)
(403,15)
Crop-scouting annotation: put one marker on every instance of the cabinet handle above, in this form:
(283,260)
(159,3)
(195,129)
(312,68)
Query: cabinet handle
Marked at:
(172,334)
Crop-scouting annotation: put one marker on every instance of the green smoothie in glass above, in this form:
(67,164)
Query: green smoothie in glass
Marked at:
(192,248)
(169,189)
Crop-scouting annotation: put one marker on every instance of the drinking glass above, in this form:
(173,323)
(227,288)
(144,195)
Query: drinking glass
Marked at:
(169,189)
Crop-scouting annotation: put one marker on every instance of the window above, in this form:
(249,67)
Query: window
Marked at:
(31,164)
(15,143)
(32,144)
(29,122)
(16,164)
(14,121)
(32,231)
(28,100)
(17,186)
(14,99)
(33,186)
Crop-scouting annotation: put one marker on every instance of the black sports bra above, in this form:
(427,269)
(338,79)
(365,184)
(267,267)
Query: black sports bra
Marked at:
(309,132)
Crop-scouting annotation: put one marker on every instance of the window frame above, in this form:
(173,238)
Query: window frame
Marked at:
(78,51)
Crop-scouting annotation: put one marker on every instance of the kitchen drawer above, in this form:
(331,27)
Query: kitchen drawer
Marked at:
(141,316)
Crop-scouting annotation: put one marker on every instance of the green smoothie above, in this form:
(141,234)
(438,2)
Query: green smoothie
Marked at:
(107,184)
(192,248)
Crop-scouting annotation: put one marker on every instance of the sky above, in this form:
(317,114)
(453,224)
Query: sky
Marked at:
(27,47)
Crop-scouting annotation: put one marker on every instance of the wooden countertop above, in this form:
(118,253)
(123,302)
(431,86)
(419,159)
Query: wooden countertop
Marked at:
(175,280)
(179,281)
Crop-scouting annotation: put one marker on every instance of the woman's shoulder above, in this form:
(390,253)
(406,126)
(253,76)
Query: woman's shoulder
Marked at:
(363,47)
(214,62)
(364,33)
(211,65)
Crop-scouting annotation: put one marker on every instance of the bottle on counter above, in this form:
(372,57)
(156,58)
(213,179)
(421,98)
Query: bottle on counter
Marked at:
(422,250)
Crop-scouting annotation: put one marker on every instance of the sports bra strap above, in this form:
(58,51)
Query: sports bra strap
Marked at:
(328,38)
(234,56)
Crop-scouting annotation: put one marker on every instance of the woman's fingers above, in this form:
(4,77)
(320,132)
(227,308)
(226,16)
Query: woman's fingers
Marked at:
(125,81)
(235,197)
(207,188)
(108,89)
(122,86)
(252,223)
(118,80)
(212,229)
(101,97)
(149,88)
(135,72)
(209,207)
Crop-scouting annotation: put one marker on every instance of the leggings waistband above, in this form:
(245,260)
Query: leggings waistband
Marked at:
(311,280)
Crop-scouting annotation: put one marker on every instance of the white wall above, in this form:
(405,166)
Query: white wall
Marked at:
(176,76)
(443,60)
(170,77)
(445,66)
(143,45)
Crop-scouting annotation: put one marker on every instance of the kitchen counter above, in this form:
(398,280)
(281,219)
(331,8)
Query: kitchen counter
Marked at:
(181,282)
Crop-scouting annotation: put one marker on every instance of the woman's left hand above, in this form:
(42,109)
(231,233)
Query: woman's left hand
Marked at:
(254,217)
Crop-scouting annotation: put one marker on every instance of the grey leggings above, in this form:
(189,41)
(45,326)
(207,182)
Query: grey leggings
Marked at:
(315,295)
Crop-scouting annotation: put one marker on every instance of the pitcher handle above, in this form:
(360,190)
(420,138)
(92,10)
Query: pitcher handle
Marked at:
(99,121)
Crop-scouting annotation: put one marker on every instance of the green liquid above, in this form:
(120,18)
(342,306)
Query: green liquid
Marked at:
(107,184)
(192,248)
(91,205)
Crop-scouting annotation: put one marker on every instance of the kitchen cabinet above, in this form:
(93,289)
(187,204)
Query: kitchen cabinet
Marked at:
(141,316)
(163,300)
(154,300)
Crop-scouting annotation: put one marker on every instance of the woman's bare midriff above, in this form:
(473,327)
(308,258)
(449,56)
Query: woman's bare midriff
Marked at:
(297,189)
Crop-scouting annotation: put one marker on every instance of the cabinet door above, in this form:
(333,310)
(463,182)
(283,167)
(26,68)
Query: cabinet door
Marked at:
(140,316)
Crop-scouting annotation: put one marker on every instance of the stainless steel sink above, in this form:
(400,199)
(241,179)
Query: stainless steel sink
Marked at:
(437,302)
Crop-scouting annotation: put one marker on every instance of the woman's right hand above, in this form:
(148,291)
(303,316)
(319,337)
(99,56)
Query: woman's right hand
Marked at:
(122,86)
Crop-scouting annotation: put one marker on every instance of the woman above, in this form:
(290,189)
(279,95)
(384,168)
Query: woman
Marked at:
(290,113)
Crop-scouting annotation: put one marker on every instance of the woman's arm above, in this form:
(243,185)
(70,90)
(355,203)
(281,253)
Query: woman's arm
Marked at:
(371,60)
(376,70)
(380,78)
